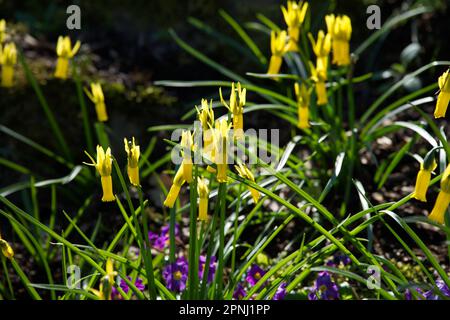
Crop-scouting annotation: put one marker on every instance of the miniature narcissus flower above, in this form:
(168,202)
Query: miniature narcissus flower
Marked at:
(65,52)
(203,194)
(187,146)
(321,49)
(245,173)
(444,95)
(303,95)
(340,29)
(106,282)
(221,141)
(236,106)
(443,199)
(278,48)
(7,251)
(294,15)
(97,97)
(178,182)
(319,78)
(206,117)
(2,30)
(423,178)
(133,153)
(8,58)
(104,168)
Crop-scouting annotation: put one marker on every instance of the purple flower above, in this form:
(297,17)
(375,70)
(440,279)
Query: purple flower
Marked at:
(338,260)
(255,273)
(175,275)
(161,241)
(442,287)
(124,286)
(324,288)
(281,292)
(240,292)
(409,296)
(165,230)
(212,268)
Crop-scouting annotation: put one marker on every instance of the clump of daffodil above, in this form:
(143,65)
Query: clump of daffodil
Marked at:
(221,140)
(303,95)
(443,199)
(187,145)
(319,77)
(97,97)
(444,95)
(178,182)
(65,52)
(423,178)
(294,15)
(8,58)
(104,168)
(278,48)
(321,49)
(7,251)
(245,173)
(203,194)
(106,282)
(340,29)
(236,106)
(206,117)
(133,152)
(2,30)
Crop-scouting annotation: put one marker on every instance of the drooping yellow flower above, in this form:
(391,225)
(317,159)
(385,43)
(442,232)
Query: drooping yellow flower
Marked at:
(236,106)
(206,117)
(319,76)
(203,194)
(97,97)
(7,251)
(8,58)
(443,199)
(303,95)
(321,49)
(178,182)
(65,52)
(278,48)
(245,173)
(340,29)
(423,181)
(187,145)
(294,15)
(106,282)
(444,95)
(2,30)
(104,168)
(133,153)
(221,140)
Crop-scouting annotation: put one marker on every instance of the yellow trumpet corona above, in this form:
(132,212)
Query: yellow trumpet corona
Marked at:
(104,168)
(8,58)
(321,48)
(65,52)
(236,106)
(178,182)
(319,76)
(133,153)
(444,95)
(443,199)
(294,15)
(206,117)
(422,182)
(278,48)
(187,145)
(203,194)
(340,29)
(245,173)
(221,132)
(106,282)
(303,100)
(98,98)
(7,251)
(2,30)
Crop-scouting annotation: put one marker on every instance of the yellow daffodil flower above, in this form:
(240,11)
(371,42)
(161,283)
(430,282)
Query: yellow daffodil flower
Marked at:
(7,251)
(423,181)
(340,29)
(443,199)
(319,76)
(178,182)
(2,30)
(221,139)
(133,153)
(97,97)
(303,99)
(8,58)
(321,49)
(104,168)
(203,194)
(245,173)
(278,48)
(187,145)
(106,283)
(444,95)
(206,117)
(65,52)
(294,15)
(236,106)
